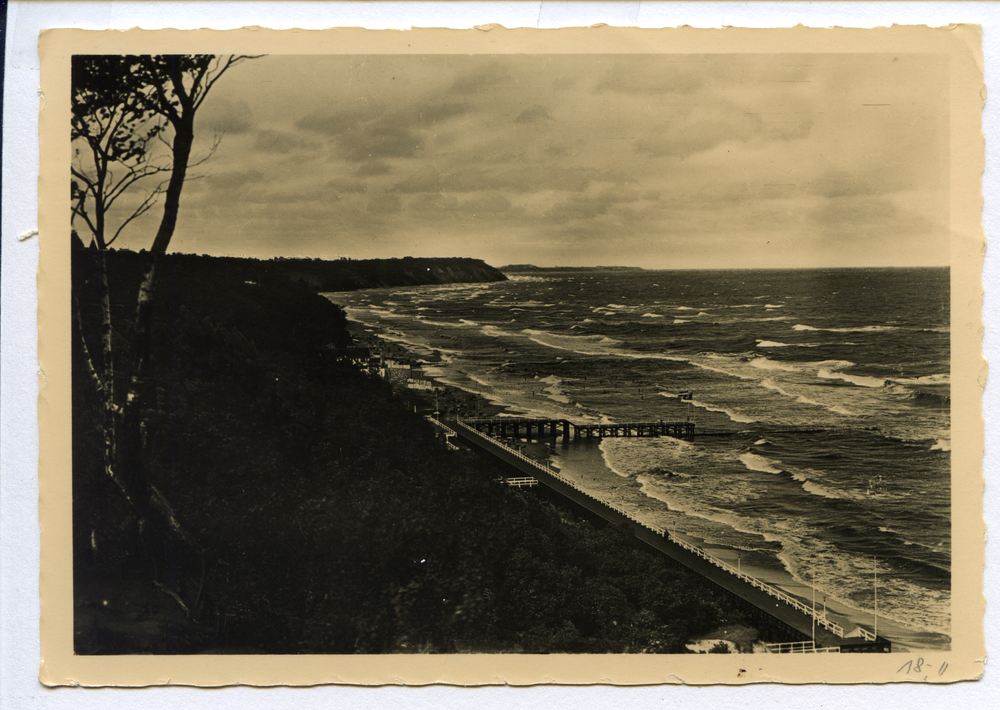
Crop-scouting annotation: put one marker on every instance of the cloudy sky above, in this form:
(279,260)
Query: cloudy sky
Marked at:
(663,161)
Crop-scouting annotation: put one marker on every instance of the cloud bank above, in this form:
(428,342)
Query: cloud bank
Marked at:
(669,161)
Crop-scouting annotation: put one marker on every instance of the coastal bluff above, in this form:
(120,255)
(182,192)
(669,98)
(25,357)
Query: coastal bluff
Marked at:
(329,516)
(354,274)
(531,268)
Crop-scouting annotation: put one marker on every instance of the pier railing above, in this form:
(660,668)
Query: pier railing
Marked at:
(769,589)
(681,430)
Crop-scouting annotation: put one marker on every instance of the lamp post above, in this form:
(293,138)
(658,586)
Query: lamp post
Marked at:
(814,617)
(875,576)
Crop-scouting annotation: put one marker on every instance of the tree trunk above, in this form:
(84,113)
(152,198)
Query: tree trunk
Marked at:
(183,140)
(109,405)
(152,506)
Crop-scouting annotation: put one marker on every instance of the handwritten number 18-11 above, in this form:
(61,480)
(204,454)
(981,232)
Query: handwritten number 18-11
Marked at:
(918,666)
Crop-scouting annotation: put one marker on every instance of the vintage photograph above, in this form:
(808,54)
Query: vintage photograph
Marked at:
(492,353)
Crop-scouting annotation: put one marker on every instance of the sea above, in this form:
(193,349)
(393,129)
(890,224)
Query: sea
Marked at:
(820,399)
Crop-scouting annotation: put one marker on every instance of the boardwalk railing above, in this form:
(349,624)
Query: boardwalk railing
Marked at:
(766,588)
(773,591)
(548,470)
(448,432)
(864,633)
(800,647)
(521,482)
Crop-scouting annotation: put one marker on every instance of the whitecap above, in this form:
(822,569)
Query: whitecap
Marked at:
(733,416)
(591,345)
(772,385)
(438,323)
(583,344)
(608,462)
(553,392)
(764,364)
(756,462)
(858,380)
(940,379)
(822,491)
(860,329)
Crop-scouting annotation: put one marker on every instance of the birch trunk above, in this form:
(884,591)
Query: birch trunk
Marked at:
(110,413)
(124,391)
(162,536)
(155,508)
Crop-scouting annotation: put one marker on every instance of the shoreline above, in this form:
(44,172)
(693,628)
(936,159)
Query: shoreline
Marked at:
(590,469)
(453,399)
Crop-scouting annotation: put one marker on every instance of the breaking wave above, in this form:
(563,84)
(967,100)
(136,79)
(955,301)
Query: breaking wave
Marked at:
(756,462)
(864,329)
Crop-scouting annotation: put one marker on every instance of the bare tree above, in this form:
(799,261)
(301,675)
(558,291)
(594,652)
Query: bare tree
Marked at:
(132,125)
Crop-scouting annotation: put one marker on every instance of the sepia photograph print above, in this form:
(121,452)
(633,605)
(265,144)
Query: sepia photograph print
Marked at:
(493,356)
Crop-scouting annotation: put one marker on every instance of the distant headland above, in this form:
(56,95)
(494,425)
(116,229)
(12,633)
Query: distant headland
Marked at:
(351,274)
(523,268)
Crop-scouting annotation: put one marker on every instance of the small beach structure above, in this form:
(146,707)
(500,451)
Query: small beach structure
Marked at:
(357,355)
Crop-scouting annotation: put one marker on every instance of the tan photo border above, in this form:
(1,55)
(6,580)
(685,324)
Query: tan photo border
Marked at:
(961,44)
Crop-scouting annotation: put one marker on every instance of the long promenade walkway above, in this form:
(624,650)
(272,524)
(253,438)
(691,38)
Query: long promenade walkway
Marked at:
(793,612)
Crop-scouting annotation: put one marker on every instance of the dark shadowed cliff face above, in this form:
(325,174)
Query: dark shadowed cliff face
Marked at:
(408,272)
(348,275)
(331,518)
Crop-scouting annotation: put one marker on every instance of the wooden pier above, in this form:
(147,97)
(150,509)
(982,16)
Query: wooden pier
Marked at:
(518,426)
(504,427)
(765,430)
(678,430)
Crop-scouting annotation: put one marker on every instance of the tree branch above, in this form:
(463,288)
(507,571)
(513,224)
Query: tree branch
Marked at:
(130,180)
(79,210)
(146,205)
(232,61)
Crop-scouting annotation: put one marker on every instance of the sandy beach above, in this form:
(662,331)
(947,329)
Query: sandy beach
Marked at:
(583,462)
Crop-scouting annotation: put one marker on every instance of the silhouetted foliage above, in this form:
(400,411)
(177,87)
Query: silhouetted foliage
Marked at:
(333,521)
(123,107)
